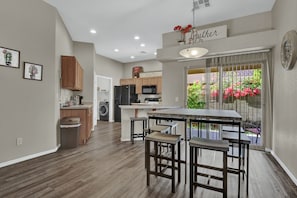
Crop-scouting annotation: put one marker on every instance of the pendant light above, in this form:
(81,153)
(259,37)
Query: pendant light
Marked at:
(193,51)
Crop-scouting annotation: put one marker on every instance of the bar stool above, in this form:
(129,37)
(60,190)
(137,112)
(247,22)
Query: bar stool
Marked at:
(134,135)
(157,128)
(208,144)
(232,137)
(172,125)
(158,139)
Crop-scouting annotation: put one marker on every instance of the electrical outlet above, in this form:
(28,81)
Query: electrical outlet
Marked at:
(19,141)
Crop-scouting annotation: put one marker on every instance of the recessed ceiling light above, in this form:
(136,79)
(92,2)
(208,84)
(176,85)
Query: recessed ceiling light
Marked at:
(116,50)
(142,45)
(93,31)
(155,53)
(132,57)
(136,37)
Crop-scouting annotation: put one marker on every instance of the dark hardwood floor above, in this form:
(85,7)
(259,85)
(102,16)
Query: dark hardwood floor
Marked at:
(106,167)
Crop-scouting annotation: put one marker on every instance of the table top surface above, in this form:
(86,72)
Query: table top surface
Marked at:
(197,113)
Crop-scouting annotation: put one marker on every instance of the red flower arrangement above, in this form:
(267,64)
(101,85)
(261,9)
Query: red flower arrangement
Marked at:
(183,31)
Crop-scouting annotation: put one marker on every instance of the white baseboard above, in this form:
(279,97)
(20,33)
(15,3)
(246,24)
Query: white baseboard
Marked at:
(293,178)
(28,157)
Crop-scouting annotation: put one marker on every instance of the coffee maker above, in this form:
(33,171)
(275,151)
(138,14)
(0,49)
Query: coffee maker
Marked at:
(80,99)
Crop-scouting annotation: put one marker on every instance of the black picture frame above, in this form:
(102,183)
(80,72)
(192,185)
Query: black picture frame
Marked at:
(9,57)
(32,71)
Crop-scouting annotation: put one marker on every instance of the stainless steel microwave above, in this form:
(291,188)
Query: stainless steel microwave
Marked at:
(149,89)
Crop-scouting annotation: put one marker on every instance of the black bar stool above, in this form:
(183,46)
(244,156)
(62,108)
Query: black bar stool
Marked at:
(134,135)
(208,144)
(158,156)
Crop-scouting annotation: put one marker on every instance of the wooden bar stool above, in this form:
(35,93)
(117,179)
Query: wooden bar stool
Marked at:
(208,144)
(160,168)
(134,135)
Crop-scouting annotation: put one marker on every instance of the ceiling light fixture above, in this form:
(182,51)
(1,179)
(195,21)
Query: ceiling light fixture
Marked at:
(93,31)
(136,37)
(142,45)
(132,57)
(193,52)
(116,50)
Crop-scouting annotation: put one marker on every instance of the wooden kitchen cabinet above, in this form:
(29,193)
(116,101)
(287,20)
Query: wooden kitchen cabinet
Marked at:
(159,84)
(153,81)
(138,83)
(127,81)
(86,120)
(72,73)
(143,81)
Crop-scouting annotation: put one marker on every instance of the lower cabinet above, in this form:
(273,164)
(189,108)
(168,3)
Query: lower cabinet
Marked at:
(86,120)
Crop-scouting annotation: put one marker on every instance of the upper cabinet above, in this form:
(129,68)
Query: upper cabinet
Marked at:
(127,81)
(72,73)
(143,81)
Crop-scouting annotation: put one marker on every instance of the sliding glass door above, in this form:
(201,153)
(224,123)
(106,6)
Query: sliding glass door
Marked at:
(233,87)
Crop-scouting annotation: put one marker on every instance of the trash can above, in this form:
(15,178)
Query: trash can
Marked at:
(70,132)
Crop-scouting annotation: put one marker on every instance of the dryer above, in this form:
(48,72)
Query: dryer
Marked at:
(104,111)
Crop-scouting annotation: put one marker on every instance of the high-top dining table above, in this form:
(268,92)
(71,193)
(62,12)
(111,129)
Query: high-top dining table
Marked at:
(212,116)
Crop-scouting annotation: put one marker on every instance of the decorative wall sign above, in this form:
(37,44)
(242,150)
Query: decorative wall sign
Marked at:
(218,32)
(289,50)
(9,57)
(32,71)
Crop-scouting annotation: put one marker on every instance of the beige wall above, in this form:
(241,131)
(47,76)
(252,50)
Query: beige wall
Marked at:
(28,107)
(285,91)
(148,66)
(109,68)
(63,46)
(85,54)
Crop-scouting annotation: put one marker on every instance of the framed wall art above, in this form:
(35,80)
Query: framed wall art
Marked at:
(9,57)
(32,71)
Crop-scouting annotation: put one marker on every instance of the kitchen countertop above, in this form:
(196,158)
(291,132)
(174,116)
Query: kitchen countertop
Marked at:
(84,106)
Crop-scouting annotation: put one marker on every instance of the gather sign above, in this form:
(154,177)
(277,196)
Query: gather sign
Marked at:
(207,34)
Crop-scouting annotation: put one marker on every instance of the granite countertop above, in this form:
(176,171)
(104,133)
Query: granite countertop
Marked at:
(84,106)
(148,106)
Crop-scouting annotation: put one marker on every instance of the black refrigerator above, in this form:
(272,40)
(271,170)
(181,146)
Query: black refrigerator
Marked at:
(123,95)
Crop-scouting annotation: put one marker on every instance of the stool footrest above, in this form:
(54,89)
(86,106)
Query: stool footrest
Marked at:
(208,167)
(210,176)
(208,187)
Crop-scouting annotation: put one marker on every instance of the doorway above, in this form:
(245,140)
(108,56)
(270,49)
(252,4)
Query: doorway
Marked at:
(233,87)
(104,96)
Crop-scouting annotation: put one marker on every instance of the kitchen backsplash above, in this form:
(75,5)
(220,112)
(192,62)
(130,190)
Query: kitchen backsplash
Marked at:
(65,95)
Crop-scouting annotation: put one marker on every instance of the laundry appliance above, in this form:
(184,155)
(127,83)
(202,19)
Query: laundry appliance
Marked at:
(104,111)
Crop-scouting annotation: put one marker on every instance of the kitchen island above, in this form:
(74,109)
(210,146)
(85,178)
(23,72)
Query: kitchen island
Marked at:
(136,110)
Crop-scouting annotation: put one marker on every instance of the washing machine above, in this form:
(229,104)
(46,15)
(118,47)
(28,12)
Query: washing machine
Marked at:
(104,111)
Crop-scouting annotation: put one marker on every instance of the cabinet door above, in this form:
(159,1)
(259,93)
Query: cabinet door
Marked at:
(89,122)
(159,85)
(81,113)
(150,81)
(138,82)
(127,81)
(72,73)
(79,77)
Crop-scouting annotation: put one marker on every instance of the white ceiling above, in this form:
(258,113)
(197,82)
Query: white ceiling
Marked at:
(117,22)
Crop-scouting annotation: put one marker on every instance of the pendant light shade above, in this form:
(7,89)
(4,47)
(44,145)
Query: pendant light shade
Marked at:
(193,52)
